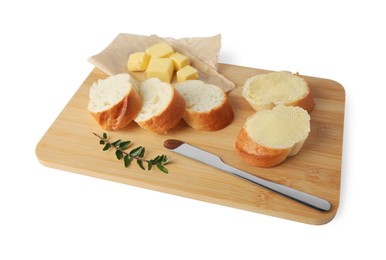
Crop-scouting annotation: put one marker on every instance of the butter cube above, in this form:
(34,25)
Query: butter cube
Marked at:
(186,73)
(138,61)
(179,60)
(161,68)
(160,50)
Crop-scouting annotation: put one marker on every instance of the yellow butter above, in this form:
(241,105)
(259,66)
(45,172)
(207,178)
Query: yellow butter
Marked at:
(138,61)
(179,60)
(159,50)
(186,73)
(161,68)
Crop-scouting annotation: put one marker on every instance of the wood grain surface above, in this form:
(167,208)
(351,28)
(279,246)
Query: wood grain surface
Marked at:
(70,145)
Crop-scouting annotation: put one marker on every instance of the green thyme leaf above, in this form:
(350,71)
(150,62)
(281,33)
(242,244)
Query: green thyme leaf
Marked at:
(162,159)
(127,160)
(101,142)
(140,163)
(162,168)
(107,146)
(142,153)
(104,136)
(119,154)
(116,142)
(149,165)
(135,152)
(165,160)
(124,145)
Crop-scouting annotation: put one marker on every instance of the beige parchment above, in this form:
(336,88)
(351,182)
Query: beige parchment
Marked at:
(202,51)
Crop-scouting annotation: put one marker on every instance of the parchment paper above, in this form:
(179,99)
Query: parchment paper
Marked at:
(203,53)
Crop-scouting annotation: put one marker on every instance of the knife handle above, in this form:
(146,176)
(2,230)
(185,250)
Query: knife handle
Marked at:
(302,197)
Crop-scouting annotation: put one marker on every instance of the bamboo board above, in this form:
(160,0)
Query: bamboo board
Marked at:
(70,145)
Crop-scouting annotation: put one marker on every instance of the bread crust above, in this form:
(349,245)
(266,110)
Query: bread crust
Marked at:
(307,102)
(121,114)
(168,118)
(214,120)
(258,155)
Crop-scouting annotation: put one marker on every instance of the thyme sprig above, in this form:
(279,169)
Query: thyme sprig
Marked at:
(137,154)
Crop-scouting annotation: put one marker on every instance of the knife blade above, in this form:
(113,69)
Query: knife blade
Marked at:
(213,160)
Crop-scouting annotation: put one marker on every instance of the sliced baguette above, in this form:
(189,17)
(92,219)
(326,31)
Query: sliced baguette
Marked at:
(114,101)
(207,105)
(162,107)
(266,91)
(268,137)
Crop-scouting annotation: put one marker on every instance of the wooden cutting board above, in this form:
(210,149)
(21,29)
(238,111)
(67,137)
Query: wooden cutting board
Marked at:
(70,145)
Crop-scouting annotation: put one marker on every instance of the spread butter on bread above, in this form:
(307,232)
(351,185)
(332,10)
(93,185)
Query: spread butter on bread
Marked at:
(268,137)
(114,101)
(266,91)
(207,105)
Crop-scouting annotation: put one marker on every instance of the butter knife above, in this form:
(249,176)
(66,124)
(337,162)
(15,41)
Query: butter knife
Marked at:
(195,153)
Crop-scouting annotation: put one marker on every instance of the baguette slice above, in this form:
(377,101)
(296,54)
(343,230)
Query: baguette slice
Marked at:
(277,88)
(114,101)
(268,137)
(207,105)
(162,107)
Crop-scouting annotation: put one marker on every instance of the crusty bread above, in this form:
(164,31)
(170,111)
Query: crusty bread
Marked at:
(114,101)
(268,137)
(162,107)
(207,105)
(266,91)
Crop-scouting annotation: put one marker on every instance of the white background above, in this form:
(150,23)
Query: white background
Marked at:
(52,214)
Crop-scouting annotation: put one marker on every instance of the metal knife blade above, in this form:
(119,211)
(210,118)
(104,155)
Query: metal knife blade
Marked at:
(213,160)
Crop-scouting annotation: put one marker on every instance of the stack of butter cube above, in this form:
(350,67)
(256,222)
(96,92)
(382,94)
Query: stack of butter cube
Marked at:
(161,61)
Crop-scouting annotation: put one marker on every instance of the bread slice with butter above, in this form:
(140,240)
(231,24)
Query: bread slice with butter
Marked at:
(268,137)
(114,101)
(266,91)
(163,107)
(207,105)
